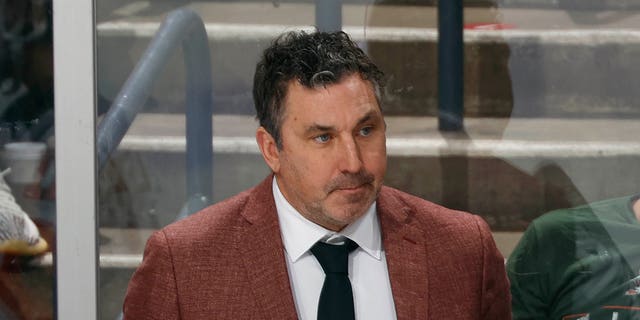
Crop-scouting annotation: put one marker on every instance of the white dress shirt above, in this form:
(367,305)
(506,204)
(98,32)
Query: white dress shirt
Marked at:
(368,272)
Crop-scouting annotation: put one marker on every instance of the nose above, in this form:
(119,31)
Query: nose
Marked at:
(351,159)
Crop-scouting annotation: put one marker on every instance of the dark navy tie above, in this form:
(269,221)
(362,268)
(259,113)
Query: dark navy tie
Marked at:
(336,297)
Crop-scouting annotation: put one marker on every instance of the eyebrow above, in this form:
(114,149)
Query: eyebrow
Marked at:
(322,128)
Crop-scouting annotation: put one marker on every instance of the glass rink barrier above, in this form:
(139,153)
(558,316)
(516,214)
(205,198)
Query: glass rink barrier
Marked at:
(522,112)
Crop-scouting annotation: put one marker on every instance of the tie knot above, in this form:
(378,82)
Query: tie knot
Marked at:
(334,258)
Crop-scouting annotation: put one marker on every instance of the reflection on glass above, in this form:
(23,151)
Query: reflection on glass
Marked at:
(27,198)
(579,263)
(573,88)
(144,185)
(550,104)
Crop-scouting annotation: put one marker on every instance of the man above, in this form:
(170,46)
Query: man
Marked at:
(260,254)
(579,263)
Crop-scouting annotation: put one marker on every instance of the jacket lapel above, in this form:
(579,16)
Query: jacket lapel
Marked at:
(405,250)
(263,255)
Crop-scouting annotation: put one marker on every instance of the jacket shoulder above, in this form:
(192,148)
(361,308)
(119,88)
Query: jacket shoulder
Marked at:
(224,215)
(450,230)
(427,212)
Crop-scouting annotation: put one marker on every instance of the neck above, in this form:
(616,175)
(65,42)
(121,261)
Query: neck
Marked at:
(636,209)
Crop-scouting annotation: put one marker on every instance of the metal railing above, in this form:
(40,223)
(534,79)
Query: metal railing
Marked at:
(184,27)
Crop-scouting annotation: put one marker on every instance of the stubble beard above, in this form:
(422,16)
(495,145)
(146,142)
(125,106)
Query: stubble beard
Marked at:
(355,206)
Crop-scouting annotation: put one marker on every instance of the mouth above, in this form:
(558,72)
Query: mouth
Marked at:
(351,184)
(352,189)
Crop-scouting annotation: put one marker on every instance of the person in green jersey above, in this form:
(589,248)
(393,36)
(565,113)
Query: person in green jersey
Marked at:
(579,263)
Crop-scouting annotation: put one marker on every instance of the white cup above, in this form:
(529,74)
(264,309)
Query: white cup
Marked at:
(24,159)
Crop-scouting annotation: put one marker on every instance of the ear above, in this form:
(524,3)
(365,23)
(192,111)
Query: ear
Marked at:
(268,148)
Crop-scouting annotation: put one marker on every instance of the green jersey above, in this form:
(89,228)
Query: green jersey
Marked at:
(579,263)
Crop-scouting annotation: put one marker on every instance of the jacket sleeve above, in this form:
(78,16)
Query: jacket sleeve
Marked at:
(496,298)
(152,292)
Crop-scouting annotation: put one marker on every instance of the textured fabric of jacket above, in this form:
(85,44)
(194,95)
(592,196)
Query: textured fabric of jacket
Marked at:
(228,262)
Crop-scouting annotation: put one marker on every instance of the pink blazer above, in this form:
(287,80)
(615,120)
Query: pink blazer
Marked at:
(228,262)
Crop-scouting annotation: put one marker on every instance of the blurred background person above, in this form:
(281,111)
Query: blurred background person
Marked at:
(579,263)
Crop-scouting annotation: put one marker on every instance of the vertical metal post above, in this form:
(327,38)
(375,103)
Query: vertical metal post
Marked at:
(76,255)
(329,15)
(450,65)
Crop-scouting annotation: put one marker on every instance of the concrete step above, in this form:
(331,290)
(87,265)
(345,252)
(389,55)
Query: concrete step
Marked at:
(508,171)
(553,63)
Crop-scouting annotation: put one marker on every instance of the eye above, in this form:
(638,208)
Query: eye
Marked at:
(323,138)
(366,131)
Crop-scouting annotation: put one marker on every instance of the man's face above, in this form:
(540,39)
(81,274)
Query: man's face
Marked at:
(333,156)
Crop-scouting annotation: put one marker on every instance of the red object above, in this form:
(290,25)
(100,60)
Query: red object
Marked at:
(489,26)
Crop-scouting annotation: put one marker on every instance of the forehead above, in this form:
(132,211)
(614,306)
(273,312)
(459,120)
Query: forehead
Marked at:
(349,97)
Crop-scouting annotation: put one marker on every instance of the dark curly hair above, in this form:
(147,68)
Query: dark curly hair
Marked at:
(313,59)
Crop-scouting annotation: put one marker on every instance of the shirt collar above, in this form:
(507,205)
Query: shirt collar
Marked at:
(299,234)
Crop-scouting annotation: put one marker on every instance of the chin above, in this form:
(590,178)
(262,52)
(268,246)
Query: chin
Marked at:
(351,215)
